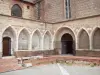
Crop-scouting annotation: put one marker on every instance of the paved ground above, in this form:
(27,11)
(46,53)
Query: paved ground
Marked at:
(53,69)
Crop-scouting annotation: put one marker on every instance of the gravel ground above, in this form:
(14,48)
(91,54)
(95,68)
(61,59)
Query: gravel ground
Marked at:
(53,69)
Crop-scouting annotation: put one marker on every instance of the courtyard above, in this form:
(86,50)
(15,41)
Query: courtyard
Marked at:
(49,37)
(53,69)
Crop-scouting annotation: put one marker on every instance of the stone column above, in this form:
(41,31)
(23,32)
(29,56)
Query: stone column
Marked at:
(1,51)
(76,43)
(91,47)
(51,46)
(30,43)
(52,43)
(16,44)
(42,43)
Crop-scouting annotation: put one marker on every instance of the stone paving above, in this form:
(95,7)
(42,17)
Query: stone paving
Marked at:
(9,64)
(53,69)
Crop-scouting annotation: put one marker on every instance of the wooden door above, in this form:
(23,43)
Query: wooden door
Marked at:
(6,46)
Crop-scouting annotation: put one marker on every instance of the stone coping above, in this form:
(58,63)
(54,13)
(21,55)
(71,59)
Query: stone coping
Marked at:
(64,58)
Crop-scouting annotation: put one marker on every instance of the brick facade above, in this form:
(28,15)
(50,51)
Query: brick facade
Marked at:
(79,9)
(45,35)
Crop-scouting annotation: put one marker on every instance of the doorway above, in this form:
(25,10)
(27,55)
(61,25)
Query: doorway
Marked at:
(67,44)
(6,46)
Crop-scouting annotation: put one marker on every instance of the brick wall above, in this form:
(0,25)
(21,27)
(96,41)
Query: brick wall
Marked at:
(84,8)
(88,53)
(55,9)
(6,5)
(34,53)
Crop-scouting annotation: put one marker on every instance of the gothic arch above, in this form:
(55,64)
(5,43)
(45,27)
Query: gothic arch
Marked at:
(10,34)
(83,39)
(16,10)
(47,39)
(36,40)
(23,39)
(58,35)
(96,38)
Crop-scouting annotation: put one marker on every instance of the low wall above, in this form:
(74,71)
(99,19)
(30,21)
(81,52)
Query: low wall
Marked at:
(92,61)
(34,53)
(88,53)
(56,52)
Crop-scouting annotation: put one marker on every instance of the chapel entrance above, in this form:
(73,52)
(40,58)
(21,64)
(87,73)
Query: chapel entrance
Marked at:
(67,44)
(6,46)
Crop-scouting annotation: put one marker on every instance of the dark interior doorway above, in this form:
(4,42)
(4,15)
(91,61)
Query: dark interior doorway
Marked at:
(67,44)
(6,46)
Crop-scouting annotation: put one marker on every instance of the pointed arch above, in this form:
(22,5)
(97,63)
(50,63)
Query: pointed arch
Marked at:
(16,10)
(36,40)
(10,29)
(38,31)
(25,29)
(83,40)
(96,38)
(23,39)
(8,41)
(59,33)
(47,39)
